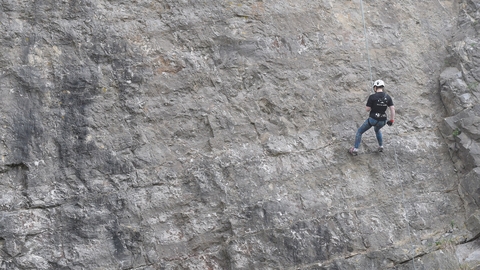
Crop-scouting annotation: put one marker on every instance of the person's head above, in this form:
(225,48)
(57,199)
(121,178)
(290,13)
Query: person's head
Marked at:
(378,85)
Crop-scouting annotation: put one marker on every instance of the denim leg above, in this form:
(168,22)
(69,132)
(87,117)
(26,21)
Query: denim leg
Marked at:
(358,137)
(378,133)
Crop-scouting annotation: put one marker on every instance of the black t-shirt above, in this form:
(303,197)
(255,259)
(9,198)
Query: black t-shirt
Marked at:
(379,102)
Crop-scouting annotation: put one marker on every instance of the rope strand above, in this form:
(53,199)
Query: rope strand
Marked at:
(366,46)
(403,202)
(394,148)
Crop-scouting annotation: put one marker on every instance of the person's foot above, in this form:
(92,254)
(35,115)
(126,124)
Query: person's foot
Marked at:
(380,149)
(353,151)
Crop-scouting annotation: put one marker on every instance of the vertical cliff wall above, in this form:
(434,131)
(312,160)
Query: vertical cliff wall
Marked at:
(213,135)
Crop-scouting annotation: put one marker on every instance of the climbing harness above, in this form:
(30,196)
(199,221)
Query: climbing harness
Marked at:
(374,125)
(394,148)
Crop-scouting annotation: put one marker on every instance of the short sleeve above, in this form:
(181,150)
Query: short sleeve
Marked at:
(389,101)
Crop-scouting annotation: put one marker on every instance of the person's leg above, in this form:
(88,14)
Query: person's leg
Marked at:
(378,133)
(358,137)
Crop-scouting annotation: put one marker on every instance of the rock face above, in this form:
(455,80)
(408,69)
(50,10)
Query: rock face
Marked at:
(212,134)
(459,90)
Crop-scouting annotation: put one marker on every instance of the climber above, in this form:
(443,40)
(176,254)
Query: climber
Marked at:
(377,106)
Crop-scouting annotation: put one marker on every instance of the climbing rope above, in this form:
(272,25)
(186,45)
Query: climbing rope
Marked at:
(394,148)
(403,200)
(366,47)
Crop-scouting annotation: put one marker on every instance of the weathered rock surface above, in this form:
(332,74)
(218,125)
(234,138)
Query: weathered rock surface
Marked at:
(213,135)
(460,91)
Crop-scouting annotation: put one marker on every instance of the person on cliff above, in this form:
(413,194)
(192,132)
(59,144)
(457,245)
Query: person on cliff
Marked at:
(377,106)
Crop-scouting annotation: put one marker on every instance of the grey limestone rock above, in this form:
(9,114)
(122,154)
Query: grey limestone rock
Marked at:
(214,134)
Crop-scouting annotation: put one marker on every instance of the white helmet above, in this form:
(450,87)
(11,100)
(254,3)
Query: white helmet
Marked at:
(378,83)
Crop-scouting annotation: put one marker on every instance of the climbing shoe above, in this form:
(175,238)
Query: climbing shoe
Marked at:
(353,151)
(380,149)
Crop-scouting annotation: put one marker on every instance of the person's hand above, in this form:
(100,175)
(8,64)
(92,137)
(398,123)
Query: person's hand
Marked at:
(390,122)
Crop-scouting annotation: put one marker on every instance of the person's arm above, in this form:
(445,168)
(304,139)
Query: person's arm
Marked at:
(368,108)
(392,113)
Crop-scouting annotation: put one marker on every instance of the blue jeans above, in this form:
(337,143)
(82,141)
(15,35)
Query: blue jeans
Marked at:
(370,122)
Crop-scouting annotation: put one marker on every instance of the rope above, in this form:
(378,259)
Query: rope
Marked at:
(394,148)
(366,47)
(403,201)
